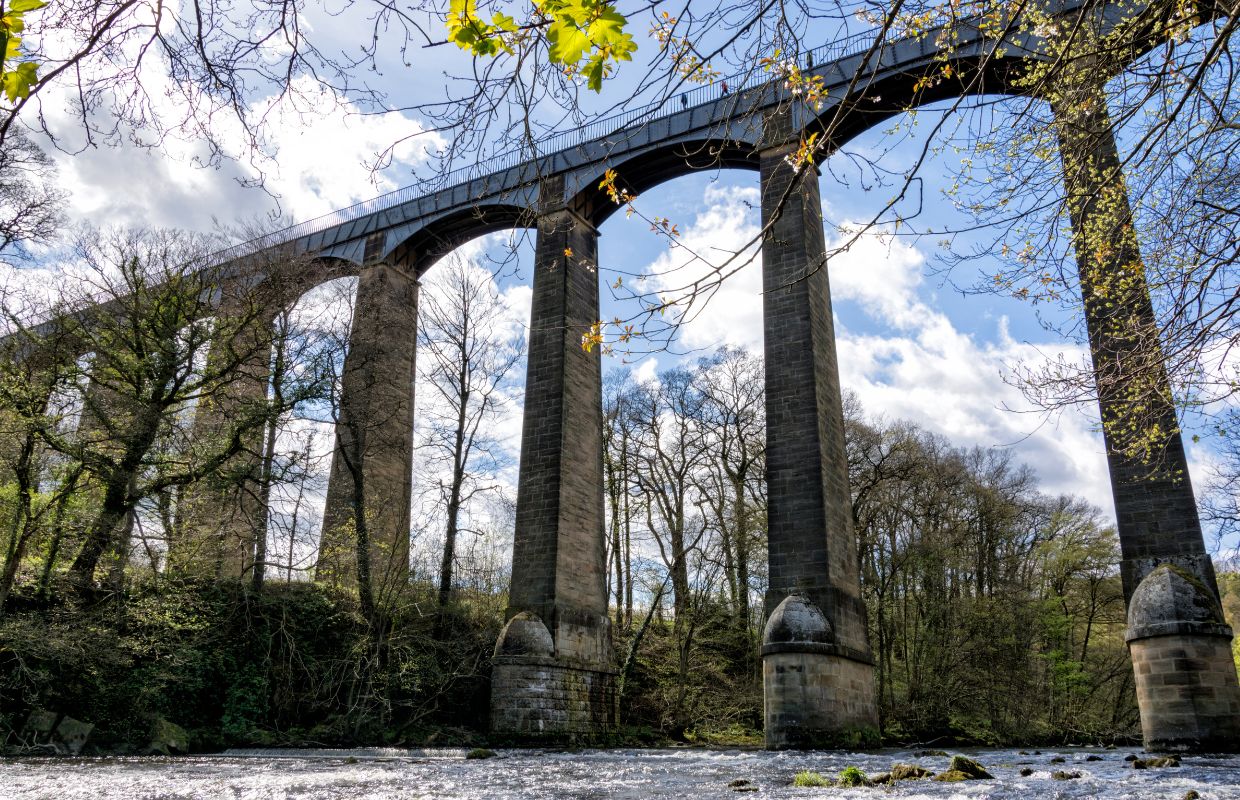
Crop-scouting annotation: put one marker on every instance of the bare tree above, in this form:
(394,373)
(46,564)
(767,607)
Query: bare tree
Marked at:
(733,482)
(624,498)
(470,350)
(31,205)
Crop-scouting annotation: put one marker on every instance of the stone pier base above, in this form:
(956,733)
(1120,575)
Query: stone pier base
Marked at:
(1187,692)
(1181,656)
(535,695)
(816,694)
(539,698)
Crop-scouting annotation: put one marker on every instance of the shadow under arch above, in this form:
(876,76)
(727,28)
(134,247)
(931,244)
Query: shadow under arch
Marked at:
(880,99)
(648,169)
(897,92)
(440,236)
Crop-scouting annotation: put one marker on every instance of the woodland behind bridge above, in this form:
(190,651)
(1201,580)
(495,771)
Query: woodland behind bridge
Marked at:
(996,613)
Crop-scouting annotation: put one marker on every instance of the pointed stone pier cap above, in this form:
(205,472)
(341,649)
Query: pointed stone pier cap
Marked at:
(1171,601)
(797,621)
(525,635)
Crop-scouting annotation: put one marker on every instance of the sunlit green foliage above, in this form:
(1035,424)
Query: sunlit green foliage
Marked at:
(585,37)
(16,76)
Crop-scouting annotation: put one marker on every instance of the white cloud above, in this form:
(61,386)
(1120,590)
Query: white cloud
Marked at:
(905,359)
(322,149)
(882,276)
(646,371)
(712,240)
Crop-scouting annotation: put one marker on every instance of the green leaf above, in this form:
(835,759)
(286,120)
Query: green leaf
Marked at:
(594,74)
(568,43)
(22,6)
(465,37)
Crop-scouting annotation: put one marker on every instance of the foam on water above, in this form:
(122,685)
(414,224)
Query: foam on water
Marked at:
(399,774)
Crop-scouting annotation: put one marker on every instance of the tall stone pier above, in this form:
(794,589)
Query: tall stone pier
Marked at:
(371,482)
(552,672)
(817,671)
(1180,645)
(224,517)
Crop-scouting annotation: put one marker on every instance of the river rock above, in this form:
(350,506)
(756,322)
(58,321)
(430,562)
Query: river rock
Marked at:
(971,770)
(1025,772)
(73,734)
(930,753)
(168,738)
(1156,762)
(909,772)
(40,723)
(1060,775)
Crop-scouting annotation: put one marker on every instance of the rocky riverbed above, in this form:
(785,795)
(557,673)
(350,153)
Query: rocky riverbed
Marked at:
(663,773)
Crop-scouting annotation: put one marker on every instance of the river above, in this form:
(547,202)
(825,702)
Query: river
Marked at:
(665,773)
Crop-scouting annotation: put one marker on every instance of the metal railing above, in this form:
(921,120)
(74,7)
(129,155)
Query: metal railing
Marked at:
(819,58)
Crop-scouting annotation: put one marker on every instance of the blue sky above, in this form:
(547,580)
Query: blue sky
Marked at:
(911,344)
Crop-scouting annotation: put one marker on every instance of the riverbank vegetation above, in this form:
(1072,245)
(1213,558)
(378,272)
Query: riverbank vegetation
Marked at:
(995,610)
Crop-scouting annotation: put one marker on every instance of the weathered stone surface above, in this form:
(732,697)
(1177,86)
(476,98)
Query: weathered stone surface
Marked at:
(168,738)
(224,520)
(551,675)
(546,700)
(374,437)
(559,567)
(1156,763)
(969,767)
(1181,655)
(1168,600)
(1156,512)
(525,635)
(907,772)
(811,547)
(824,697)
(73,734)
(41,722)
(797,620)
(817,700)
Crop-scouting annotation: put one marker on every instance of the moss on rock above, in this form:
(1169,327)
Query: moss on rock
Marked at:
(908,772)
(970,768)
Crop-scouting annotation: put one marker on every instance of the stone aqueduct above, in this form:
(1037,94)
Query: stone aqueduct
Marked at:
(552,673)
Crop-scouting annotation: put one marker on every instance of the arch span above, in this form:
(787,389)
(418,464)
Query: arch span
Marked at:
(419,250)
(649,168)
